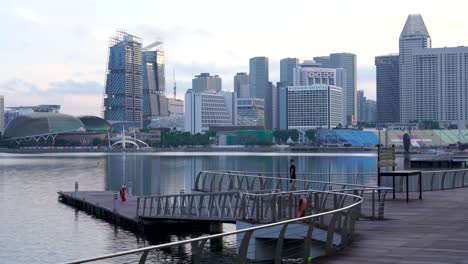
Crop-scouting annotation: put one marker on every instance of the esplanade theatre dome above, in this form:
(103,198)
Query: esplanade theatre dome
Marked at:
(41,124)
(95,124)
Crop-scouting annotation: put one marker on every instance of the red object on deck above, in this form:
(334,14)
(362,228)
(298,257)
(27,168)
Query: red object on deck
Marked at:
(123,192)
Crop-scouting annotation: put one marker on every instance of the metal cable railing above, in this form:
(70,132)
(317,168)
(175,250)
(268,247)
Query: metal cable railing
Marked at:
(327,226)
(226,181)
(431,181)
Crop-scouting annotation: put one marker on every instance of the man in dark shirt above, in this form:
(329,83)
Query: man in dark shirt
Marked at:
(292,175)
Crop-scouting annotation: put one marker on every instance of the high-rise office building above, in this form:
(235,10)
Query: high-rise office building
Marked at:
(388,88)
(323,60)
(310,72)
(154,83)
(440,85)
(175,106)
(2,113)
(205,82)
(311,106)
(124,80)
(413,37)
(258,75)
(269,108)
(287,67)
(366,109)
(347,61)
(250,112)
(209,109)
(241,80)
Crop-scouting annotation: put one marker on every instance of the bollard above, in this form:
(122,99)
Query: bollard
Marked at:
(76,188)
(130,188)
(116,201)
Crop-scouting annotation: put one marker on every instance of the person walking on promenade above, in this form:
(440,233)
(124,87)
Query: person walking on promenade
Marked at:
(292,175)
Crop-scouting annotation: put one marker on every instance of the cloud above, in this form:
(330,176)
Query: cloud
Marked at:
(74,87)
(29,15)
(76,98)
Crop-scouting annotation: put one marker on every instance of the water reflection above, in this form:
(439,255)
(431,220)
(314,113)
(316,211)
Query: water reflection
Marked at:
(160,175)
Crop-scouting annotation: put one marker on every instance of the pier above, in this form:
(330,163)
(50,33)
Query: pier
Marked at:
(432,230)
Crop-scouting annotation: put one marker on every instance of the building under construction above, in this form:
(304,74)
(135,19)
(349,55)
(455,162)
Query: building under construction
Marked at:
(135,81)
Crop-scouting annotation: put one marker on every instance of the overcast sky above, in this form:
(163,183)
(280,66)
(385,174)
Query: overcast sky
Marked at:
(55,52)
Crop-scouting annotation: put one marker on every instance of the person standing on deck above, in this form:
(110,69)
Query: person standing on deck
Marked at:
(292,175)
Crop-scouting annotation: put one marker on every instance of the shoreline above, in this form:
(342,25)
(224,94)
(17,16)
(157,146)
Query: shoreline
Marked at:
(297,149)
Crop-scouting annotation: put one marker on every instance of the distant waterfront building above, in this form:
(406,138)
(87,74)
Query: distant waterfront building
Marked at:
(287,67)
(440,85)
(250,112)
(310,72)
(269,105)
(258,77)
(12,112)
(324,61)
(154,83)
(209,109)
(413,36)
(2,113)
(312,106)
(123,99)
(205,82)
(348,62)
(241,85)
(175,106)
(388,89)
(367,109)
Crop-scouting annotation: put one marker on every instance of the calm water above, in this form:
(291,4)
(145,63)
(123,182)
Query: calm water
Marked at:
(36,228)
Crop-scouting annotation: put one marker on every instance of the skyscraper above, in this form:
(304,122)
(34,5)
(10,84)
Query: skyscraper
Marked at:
(287,66)
(124,80)
(205,82)
(241,79)
(154,83)
(440,85)
(388,88)
(347,61)
(2,113)
(258,76)
(323,60)
(414,36)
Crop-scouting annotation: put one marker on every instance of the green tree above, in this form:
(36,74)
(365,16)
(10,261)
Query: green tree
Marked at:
(311,134)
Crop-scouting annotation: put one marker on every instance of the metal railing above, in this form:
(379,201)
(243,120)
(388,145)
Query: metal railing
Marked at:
(258,207)
(226,181)
(431,181)
(331,225)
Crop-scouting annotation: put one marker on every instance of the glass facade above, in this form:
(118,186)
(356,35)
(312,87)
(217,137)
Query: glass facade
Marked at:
(124,80)
(388,89)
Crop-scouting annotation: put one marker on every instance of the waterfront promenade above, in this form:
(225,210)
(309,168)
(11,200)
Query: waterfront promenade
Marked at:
(433,230)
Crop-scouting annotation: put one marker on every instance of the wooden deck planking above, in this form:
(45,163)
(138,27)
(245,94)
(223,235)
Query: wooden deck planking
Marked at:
(433,230)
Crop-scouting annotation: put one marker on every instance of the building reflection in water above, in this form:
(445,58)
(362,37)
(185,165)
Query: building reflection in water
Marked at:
(151,174)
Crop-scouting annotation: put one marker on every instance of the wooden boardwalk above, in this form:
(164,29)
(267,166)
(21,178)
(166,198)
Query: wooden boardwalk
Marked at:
(101,204)
(434,230)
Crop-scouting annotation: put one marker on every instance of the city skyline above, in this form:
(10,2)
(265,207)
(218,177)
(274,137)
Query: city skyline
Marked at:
(66,48)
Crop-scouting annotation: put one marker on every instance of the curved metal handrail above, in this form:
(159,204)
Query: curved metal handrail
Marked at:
(357,201)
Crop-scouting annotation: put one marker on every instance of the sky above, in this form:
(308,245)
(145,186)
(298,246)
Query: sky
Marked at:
(55,52)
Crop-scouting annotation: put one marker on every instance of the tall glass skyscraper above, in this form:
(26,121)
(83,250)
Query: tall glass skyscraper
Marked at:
(124,80)
(414,36)
(154,83)
(348,62)
(258,76)
(241,79)
(287,66)
(388,89)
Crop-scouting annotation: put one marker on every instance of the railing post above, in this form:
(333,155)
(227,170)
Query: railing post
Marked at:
(279,244)
(143,257)
(138,207)
(244,246)
(76,188)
